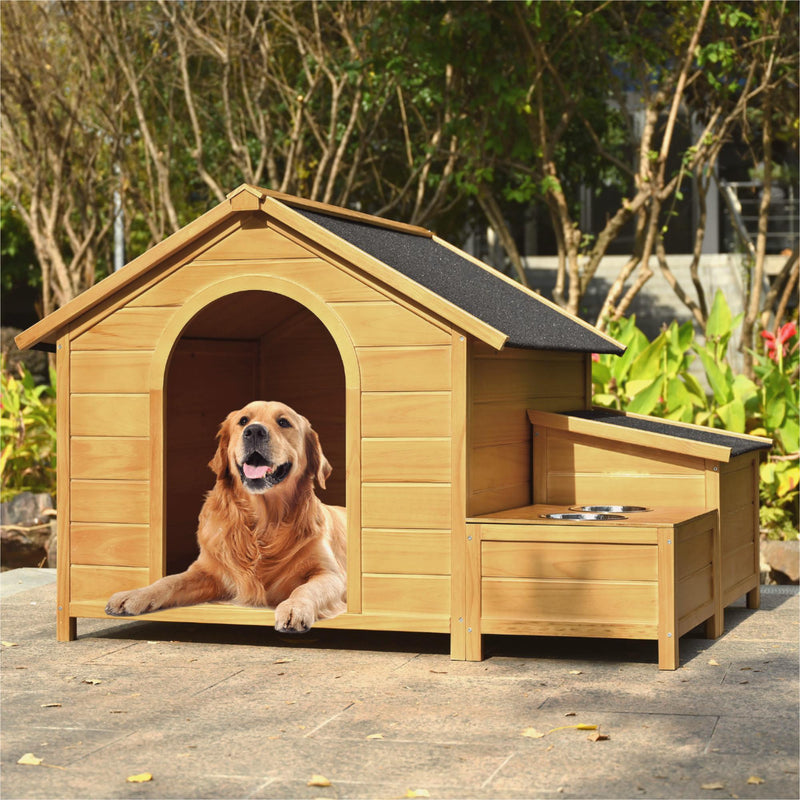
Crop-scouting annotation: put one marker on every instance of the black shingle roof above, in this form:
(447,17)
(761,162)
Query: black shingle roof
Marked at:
(737,445)
(528,322)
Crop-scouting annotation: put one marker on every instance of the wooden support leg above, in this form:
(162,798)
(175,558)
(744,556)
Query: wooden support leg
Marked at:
(668,657)
(66,626)
(714,626)
(667,618)
(754,598)
(472,615)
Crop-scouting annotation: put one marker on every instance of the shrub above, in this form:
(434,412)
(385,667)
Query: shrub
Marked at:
(655,378)
(28,430)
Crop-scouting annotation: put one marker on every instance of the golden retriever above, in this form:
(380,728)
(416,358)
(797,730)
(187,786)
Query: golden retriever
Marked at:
(265,538)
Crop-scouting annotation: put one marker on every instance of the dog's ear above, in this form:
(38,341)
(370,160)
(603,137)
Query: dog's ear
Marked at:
(318,466)
(219,464)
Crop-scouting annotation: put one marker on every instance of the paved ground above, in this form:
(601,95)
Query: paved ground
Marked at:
(233,712)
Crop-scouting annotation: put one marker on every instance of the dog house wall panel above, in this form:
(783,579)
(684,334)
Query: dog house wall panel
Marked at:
(606,464)
(401,355)
(502,387)
(431,408)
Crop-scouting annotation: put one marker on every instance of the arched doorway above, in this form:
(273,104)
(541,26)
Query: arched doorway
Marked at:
(242,346)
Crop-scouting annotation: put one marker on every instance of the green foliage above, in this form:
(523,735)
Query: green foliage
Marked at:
(28,431)
(657,378)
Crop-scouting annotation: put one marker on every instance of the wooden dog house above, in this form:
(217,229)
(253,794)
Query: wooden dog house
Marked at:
(416,363)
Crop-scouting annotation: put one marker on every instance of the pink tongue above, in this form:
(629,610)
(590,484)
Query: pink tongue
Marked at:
(255,473)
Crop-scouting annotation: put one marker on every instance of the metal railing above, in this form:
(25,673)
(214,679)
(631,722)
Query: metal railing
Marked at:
(740,226)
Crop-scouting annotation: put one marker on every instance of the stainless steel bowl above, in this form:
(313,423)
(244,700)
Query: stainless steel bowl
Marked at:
(610,509)
(582,516)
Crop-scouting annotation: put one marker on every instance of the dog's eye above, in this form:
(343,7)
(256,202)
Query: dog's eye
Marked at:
(284,423)
(243,421)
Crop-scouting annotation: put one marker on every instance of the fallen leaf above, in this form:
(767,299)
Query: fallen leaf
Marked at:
(570,714)
(283,661)
(438,671)
(29,759)
(532,733)
(745,669)
(9,644)
(713,784)
(318,780)
(50,705)
(375,736)
(575,672)
(417,793)
(142,777)
(755,780)
(91,681)
(598,737)
(713,662)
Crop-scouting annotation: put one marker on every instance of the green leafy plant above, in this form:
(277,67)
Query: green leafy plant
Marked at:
(28,430)
(658,378)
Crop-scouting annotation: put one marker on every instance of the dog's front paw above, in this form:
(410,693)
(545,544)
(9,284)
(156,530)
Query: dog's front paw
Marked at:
(293,617)
(130,604)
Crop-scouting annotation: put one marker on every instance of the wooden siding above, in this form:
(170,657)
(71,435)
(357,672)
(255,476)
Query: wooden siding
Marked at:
(270,346)
(573,468)
(502,387)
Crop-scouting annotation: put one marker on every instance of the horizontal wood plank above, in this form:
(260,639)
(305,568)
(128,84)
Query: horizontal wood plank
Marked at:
(695,591)
(409,552)
(110,501)
(500,465)
(503,379)
(109,545)
(582,535)
(620,489)
(325,280)
(579,561)
(609,602)
(406,594)
(115,371)
(255,241)
(90,583)
(498,498)
(230,614)
(415,460)
(110,415)
(404,368)
(386,324)
(405,414)
(570,453)
(600,630)
(408,505)
(117,458)
(128,328)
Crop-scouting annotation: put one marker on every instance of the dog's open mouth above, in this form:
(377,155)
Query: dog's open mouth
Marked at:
(258,472)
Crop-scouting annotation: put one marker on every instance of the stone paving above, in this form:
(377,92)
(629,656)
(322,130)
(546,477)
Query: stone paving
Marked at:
(242,712)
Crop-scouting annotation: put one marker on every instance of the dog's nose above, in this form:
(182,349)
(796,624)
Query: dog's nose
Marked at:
(256,433)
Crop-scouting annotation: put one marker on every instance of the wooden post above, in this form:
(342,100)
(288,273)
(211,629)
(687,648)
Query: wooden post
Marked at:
(458,495)
(473,598)
(66,627)
(667,618)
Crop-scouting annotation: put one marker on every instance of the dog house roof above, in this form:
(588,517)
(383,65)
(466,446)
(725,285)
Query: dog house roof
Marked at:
(658,434)
(437,274)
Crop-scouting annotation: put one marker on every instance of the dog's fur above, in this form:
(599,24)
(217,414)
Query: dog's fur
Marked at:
(265,538)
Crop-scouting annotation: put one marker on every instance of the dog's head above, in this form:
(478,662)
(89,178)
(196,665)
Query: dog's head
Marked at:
(266,444)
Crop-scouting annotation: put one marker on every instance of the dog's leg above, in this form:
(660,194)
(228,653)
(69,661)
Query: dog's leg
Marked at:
(184,589)
(321,596)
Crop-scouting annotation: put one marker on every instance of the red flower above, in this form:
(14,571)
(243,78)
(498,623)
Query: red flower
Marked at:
(785,333)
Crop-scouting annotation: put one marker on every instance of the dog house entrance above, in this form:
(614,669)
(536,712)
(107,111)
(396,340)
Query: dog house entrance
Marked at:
(250,345)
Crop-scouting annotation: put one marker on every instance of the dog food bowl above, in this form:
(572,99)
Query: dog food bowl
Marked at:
(583,515)
(610,509)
